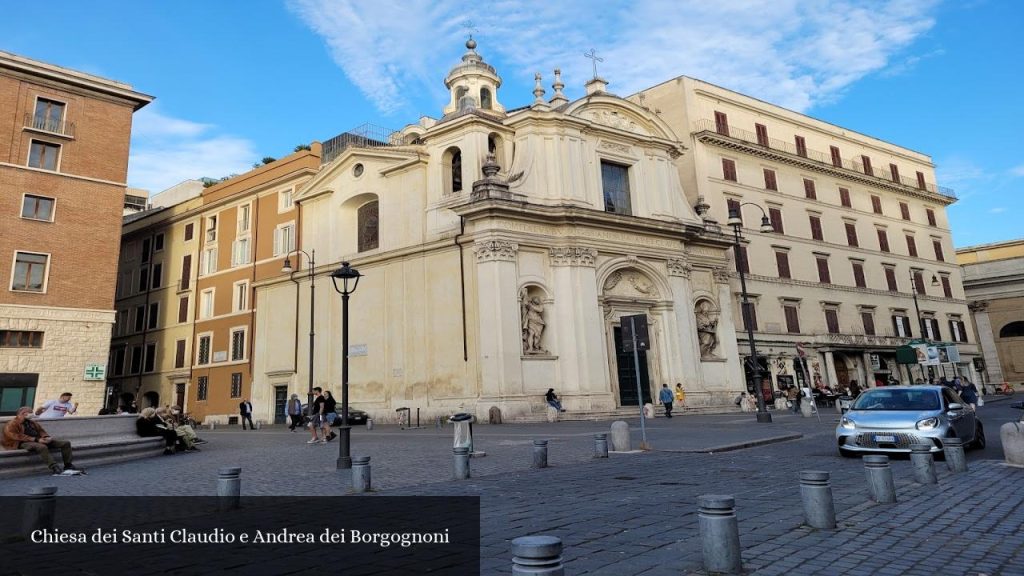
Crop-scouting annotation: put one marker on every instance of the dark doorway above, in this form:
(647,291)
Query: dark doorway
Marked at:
(17,390)
(766,378)
(151,399)
(627,373)
(842,372)
(280,402)
(179,395)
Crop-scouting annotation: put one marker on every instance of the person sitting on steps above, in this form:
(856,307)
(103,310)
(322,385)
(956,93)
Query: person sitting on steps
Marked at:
(22,433)
(148,425)
(553,401)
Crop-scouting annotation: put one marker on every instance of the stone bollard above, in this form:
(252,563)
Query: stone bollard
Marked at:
(880,482)
(229,487)
(369,423)
(816,493)
(806,408)
(924,464)
(40,510)
(1012,436)
(600,445)
(361,474)
(537,556)
(953,448)
(620,437)
(719,534)
(540,453)
(212,425)
(461,462)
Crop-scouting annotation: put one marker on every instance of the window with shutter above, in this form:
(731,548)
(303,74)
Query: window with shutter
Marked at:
(947,290)
(897,327)
(920,181)
(911,246)
(186,271)
(179,354)
(858,275)
(809,190)
(158,275)
(823,274)
(762,134)
(154,315)
(183,310)
(895,171)
(890,279)
(931,216)
(844,197)
(775,215)
(741,260)
(749,316)
(140,318)
(918,282)
(866,161)
(837,160)
(832,321)
(792,319)
(954,331)
(816,228)
(769,180)
(883,240)
(728,170)
(801,146)
(734,207)
(876,204)
(937,245)
(851,235)
(963,331)
(189,231)
(928,328)
(869,323)
(721,123)
(904,210)
(782,261)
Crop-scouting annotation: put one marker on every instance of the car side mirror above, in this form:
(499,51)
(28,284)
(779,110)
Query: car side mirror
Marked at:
(955,406)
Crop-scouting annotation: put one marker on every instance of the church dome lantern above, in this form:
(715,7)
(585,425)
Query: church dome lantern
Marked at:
(473,84)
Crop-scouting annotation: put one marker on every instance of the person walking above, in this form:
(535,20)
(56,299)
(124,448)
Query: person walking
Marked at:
(666,397)
(22,433)
(680,395)
(330,415)
(294,412)
(316,415)
(245,410)
(57,408)
(969,393)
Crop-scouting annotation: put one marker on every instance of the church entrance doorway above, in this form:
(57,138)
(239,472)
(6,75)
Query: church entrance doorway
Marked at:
(626,371)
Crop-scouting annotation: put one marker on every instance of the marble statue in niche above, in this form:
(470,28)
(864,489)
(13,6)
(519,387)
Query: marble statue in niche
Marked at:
(707,328)
(532,309)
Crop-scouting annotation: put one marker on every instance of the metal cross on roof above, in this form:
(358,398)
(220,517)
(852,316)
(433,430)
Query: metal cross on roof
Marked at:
(593,56)
(470,28)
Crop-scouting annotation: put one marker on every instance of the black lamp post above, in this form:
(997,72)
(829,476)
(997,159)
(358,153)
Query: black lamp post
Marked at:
(311,272)
(349,278)
(755,367)
(917,309)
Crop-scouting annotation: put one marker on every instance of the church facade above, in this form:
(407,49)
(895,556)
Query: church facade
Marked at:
(500,250)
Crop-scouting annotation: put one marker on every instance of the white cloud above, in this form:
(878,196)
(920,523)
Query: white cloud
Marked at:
(796,54)
(998,210)
(167,150)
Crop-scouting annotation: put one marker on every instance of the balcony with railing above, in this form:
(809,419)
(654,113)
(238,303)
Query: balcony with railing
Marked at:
(708,128)
(364,136)
(57,127)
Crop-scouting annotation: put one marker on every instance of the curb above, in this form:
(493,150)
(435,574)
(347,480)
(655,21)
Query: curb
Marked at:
(739,445)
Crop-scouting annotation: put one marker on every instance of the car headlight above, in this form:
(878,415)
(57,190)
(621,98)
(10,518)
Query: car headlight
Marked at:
(845,422)
(927,424)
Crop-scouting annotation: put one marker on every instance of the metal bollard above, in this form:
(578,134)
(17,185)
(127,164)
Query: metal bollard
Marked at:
(540,453)
(361,474)
(229,487)
(600,445)
(954,450)
(537,556)
(880,482)
(719,534)
(816,493)
(40,510)
(461,462)
(924,464)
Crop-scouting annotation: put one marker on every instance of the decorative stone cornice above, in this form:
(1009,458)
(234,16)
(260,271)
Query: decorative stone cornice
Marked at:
(495,251)
(677,267)
(573,256)
(721,275)
(57,314)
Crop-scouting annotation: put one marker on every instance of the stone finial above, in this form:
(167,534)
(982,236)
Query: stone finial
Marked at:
(559,98)
(538,90)
(701,207)
(490,167)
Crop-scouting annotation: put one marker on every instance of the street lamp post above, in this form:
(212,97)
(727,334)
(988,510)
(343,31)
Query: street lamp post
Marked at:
(311,272)
(766,226)
(917,309)
(349,278)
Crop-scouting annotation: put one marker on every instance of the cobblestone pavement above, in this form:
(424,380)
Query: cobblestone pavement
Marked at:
(636,513)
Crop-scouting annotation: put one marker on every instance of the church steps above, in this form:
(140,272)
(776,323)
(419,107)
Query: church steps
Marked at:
(619,414)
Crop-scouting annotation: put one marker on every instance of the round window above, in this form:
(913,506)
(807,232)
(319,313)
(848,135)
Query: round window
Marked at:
(357,170)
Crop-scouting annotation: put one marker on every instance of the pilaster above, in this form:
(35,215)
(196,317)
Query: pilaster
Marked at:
(499,322)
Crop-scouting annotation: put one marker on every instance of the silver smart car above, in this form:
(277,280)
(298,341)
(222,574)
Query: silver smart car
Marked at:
(891,418)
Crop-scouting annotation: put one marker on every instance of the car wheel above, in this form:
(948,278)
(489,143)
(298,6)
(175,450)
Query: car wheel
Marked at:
(979,436)
(847,453)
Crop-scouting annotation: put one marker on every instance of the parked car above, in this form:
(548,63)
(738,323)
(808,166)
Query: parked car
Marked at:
(892,418)
(355,417)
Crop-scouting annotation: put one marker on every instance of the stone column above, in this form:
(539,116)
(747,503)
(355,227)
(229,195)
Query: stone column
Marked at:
(501,343)
(869,374)
(686,358)
(728,345)
(577,322)
(830,371)
(993,370)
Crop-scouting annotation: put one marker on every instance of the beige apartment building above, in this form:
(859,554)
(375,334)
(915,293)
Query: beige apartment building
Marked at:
(186,301)
(994,283)
(859,227)
(63,165)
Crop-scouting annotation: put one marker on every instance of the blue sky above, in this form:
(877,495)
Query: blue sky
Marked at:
(239,80)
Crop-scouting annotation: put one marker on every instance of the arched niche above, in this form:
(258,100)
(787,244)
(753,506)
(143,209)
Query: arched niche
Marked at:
(1012,330)
(451,167)
(535,314)
(349,229)
(496,146)
(368,226)
(486,102)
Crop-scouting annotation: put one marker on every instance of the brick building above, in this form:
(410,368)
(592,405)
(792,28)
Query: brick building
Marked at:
(64,138)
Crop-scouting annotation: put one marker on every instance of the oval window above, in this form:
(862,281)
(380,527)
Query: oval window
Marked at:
(357,170)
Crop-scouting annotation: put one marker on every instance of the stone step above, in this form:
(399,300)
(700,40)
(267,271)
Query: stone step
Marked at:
(620,414)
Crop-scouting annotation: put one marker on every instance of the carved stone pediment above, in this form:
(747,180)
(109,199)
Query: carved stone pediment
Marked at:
(630,283)
(617,119)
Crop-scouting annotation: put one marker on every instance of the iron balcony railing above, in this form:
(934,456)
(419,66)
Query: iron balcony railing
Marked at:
(364,136)
(50,125)
(879,173)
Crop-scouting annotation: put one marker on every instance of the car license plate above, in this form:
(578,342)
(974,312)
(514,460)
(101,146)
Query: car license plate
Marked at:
(884,439)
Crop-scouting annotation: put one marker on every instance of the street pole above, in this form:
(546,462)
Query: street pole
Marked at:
(344,446)
(639,390)
(312,316)
(763,416)
(917,310)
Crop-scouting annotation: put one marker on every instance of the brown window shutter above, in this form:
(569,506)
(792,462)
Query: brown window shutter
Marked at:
(851,234)
(775,215)
(904,210)
(858,275)
(832,321)
(823,274)
(809,189)
(931,216)
(749,316)
(947,290)
(919,282)
(801,146)
(867,165)
(186,271)
(890,279)
(920,181)
(895,170)
(869,323)
(179,354)
(762,134)
(816,228)
(963,331)
(911,246)
(183,310)
(876,204)
(938,250)
(883,240)
(190,226)
(844,197)
(792,320)
(782,261)
(728,170)
(769,180)
(742,265)
(721,123)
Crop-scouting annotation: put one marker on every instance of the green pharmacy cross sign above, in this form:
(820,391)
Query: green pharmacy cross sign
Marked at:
(95,372)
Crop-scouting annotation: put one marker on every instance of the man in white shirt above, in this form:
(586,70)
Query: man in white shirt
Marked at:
(57,408)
